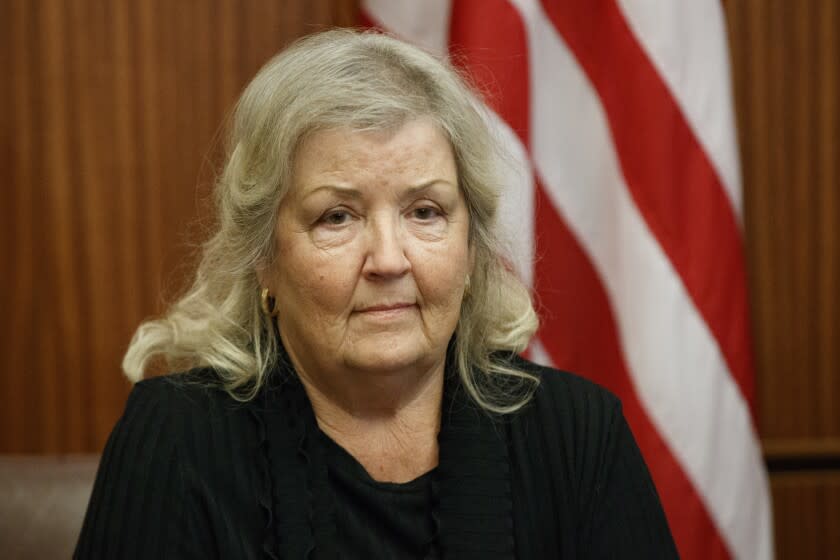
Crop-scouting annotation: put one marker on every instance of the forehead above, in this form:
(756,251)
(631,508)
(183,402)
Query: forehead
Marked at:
(417,150)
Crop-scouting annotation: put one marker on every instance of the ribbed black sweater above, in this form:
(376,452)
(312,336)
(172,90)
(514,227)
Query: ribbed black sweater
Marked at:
(190,473)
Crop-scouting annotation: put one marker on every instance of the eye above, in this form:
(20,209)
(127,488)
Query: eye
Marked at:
(425,213)
(335,218)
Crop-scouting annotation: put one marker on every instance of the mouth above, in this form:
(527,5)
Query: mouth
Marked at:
(386,310)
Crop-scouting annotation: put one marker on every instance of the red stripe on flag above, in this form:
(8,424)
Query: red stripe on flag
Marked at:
(493,49)
(366,20)
(578,330)
(670,177)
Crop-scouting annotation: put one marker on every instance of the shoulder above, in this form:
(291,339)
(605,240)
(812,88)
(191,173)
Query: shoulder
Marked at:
(171,453)
(568,417)
(183,406)
(193,390)
(567,396)
(186,417)
(577,430)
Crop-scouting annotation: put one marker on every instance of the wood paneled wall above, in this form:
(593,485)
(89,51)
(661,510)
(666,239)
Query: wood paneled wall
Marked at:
(109,116)
(109,113)
(807,506)
(786,64)
(787,77)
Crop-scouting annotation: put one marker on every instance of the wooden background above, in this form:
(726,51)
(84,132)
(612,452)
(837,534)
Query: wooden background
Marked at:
(109,118)
(786,65)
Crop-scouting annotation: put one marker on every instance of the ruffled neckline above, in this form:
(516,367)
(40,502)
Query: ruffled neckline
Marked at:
(473,504)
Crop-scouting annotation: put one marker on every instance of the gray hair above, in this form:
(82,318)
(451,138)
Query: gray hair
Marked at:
(367,81)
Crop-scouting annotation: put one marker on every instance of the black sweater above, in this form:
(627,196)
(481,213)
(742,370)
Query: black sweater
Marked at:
(190,473)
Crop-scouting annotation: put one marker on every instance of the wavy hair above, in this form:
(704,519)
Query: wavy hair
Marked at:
(366,81)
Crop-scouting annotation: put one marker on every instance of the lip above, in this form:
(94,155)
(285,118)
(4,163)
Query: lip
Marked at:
(387,308)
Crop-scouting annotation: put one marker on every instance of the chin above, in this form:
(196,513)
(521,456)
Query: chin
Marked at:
(389,358)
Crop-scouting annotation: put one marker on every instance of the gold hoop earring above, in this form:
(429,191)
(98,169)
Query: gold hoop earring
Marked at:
(267,303)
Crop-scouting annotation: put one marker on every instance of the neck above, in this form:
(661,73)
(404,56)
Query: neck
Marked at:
(388,423)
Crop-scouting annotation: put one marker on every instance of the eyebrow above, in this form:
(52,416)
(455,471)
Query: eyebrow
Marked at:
(350,192)
(346,192)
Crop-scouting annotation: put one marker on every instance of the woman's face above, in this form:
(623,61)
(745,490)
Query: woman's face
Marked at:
(372,251)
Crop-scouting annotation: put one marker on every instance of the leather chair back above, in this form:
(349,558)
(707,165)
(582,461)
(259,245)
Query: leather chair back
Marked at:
(42,504)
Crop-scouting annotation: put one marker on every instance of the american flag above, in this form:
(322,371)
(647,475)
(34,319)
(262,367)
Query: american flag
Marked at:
(624,209)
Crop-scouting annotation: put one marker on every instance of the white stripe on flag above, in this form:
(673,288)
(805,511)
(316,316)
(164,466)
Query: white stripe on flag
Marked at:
(516,207)
(686,42)
(425,24)
(538,354)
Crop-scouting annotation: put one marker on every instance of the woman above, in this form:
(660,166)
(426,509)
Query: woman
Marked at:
(353,333)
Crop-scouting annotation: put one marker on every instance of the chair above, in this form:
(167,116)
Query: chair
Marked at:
(42,504)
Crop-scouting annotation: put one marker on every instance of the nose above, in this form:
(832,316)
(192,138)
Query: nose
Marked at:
(385,256)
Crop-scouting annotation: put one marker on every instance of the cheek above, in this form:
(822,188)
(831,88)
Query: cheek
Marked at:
(440,275)
(316,279)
